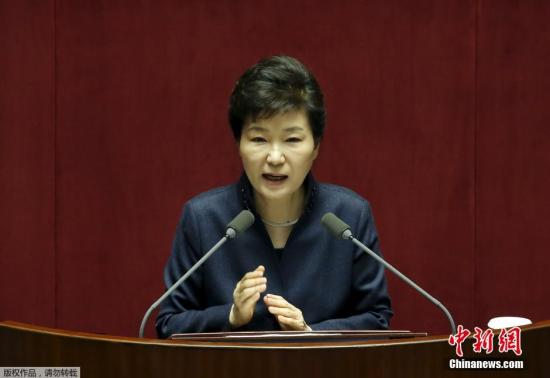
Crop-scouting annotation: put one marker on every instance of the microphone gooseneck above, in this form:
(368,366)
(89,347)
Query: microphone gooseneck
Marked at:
(341,230)
(237,226)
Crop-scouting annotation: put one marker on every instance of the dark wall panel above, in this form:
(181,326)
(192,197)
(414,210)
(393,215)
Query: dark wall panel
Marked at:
(436,113)
(144,91)
(513,152)
(399,83)
(27,257)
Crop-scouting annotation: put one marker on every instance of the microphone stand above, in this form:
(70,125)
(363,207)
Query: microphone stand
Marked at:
(348,235)
(230,234)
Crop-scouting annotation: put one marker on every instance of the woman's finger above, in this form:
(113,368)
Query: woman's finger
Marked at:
(298,324)
(250,301)
(278,301)
(284,311)
(250,282)
(253,274)
(246,293)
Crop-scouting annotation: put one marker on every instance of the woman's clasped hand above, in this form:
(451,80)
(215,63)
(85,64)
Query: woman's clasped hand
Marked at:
(247,293)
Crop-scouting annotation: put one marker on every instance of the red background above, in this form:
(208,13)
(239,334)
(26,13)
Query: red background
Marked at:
(113,113)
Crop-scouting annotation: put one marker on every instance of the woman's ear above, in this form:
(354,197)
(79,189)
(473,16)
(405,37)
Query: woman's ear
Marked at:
(238,145)
(316,149)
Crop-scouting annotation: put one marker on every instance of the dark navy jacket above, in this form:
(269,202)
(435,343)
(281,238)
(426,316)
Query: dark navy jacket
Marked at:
(333,283)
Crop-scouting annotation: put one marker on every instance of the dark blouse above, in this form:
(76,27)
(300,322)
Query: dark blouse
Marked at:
(333,283)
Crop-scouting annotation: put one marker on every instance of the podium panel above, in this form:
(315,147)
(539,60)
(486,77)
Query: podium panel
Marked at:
(108,356)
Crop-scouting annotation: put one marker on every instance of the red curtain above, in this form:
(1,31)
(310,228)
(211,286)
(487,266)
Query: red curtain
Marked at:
(113,114)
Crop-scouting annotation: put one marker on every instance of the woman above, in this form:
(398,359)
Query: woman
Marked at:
(286,272)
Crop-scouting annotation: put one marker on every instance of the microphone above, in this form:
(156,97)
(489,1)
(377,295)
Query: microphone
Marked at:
(341,230)
(237,226)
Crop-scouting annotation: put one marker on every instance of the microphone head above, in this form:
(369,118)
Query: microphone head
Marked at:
(240,223)
(336,226)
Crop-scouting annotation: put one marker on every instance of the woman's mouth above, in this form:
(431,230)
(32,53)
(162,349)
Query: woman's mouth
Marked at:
(274,178)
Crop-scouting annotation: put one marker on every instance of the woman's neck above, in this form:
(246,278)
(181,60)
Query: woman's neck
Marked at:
(281,210)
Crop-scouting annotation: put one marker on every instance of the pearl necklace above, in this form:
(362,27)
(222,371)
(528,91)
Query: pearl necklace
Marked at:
(281,224)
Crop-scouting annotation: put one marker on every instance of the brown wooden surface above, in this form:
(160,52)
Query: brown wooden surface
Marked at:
(297,336)
(110,356)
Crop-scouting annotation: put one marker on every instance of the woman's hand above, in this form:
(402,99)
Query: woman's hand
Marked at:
(289,317)
(246,294)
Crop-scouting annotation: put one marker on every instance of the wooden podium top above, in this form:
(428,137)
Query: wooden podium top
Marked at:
(331,354)
(295,339)
(250,340)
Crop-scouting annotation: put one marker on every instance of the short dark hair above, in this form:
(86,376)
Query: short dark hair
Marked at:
(276,85)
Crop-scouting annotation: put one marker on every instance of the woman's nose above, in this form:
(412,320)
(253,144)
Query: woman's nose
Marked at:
(275,157)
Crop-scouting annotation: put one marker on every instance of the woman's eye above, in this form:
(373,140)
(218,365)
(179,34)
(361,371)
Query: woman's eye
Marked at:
(293,140)
(258,140)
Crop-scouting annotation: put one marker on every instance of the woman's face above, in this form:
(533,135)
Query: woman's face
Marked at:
(277,153)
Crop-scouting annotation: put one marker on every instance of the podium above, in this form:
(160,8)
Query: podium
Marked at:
(26,345)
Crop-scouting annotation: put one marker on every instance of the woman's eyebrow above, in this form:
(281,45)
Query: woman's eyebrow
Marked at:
(257,128)
(286,129)
(293,128)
